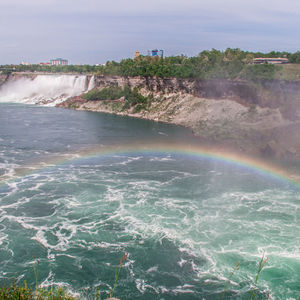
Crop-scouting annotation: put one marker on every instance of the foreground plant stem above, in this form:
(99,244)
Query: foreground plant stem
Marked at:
(117,272)
(261,265)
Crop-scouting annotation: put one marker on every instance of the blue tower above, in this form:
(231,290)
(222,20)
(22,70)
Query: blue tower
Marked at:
(156,52)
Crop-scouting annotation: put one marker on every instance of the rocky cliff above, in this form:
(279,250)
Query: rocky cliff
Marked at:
(256,118)
(3,78)
(272,93)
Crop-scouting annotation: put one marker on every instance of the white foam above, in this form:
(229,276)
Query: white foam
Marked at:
(207,230)
(43,89)
(161,159)
(3,237)
(184,289)
(104,245)
(91,84)
(152,269)
(142,286)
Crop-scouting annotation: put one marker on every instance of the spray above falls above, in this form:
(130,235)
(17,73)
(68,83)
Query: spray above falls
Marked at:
(44,89)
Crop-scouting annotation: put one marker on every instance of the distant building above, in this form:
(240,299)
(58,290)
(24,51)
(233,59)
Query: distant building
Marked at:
(58,62)
(24,63)
(156,52)
(44,64)
(270,60)
(136,54)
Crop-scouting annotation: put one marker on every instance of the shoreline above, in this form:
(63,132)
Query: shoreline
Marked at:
(256,118)
(223,123)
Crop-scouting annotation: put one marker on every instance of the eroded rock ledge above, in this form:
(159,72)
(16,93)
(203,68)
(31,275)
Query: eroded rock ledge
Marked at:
(255,118)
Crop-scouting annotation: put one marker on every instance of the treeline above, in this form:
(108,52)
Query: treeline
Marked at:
(50,69)
(228,64)
(232,63)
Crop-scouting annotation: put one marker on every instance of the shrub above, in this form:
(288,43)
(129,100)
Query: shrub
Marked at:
(109,93)
(132,96)
(259,72)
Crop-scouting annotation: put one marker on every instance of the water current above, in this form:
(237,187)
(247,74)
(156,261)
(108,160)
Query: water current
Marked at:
(185,220)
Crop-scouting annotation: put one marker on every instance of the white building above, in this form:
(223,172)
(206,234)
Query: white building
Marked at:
(270,60)
(59,62)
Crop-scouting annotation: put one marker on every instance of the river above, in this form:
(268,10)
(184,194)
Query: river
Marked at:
(80,189)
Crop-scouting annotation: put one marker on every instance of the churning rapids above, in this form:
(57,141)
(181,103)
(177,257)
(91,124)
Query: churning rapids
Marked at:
(185,220)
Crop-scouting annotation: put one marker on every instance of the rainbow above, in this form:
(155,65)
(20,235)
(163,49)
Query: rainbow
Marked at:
(251,164)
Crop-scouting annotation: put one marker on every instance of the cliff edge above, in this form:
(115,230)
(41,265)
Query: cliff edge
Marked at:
(255,118)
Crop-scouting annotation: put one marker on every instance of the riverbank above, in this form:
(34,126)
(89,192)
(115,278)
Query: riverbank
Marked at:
(253,117)
(257,119)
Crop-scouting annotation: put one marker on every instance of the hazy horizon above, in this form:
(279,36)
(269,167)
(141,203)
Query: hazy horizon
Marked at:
(92,32)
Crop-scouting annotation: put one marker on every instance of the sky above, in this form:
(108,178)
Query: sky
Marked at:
(95,31)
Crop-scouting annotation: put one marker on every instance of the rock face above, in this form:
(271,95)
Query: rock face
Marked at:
(260,118)
(255,118)
(220,89)
(3,78)
(272,93)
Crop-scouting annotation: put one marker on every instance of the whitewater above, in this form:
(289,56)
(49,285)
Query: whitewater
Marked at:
(185,219)
(45,89)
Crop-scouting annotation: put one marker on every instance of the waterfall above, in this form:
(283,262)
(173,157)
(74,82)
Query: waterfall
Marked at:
(44,89)
(91,83)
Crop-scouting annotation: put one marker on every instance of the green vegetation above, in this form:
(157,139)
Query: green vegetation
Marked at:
(259,72)
(294,58)
(109,93)
(7,71)
(132,97)
(24,292)
(288,72)
(117,273)
(81,69)
(261,265)
(228,64)
(16,292)
(237,267)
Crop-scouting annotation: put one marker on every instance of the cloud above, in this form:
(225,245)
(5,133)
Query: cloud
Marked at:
(93,31)
(252,10)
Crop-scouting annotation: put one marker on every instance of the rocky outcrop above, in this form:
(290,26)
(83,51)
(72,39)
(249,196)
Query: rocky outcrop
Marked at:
(215,89)
(3,78)
(284,95)
(261,119)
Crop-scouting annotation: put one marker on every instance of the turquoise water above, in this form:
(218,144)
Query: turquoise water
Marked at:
(185,221)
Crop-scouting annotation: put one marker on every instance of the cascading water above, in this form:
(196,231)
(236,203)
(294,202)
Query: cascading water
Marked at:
(91,83)
(45,89)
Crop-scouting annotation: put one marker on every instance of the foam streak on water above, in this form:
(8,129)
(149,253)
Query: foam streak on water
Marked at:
(157,212)
(185,222)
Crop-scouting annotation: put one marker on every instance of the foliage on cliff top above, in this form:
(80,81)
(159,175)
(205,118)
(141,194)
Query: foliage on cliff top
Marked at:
(214,64)
(131,97)
(228,64)
(114,93)
(109,93)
